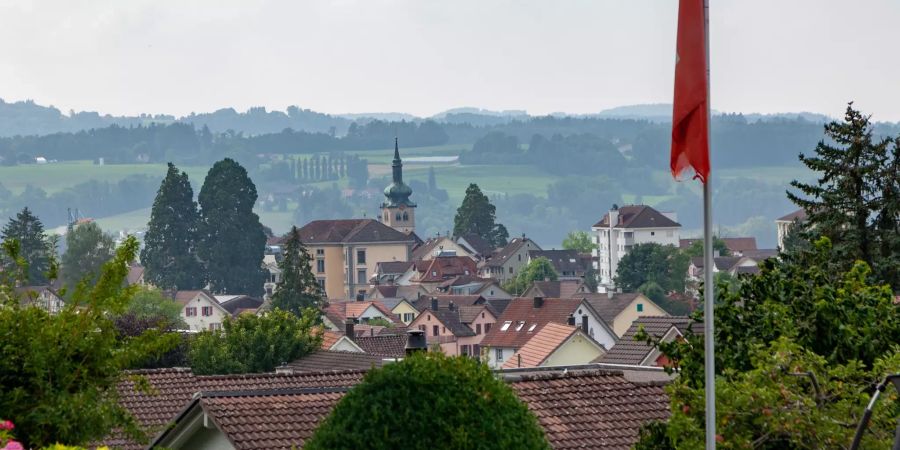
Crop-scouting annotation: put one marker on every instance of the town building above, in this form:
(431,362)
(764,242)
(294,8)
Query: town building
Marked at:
(457,330)
(624,227)
(633,352)
(620,310)
(506,263)
(398,211)
(568,264)
(556,345)
(737,246)
(783,224)
(200,310)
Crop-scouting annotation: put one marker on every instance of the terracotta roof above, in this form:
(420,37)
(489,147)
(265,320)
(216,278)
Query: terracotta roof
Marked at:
(392,267)
(343,310)
(388,345)
(330,338)
(502,255)
(172,389)
(350,231)
(241,303)
(468,314)
(185,296)
(638,216)
(444,267)
(629,351)
(410,293)
(135,272)
(555,289)
(444,301)
(562,260)
(610,308)
(540,346)
(478,244)
(334,360)
(422,250)
(592,409)
(799,214)
(522,310)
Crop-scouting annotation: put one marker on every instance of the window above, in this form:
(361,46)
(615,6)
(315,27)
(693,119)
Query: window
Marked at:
(520,257)
(434,330)
(321,282)
(640,307)
(652,233)
(443,329)
(190,311)
(398,217)
(510,270)
(408,317)
(520,325)
(361,276)
(492,292)
(434,273)
(320,265)
(422,327)
(464,349)
(482,315)
(207,311)
(531,328)
(506,325)
(476,351)
(360,256)
(320,252)
(215,326)
(405,217)
(477,328)
(487,328)
(499,354)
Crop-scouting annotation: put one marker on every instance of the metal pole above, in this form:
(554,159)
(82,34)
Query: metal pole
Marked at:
(708,264)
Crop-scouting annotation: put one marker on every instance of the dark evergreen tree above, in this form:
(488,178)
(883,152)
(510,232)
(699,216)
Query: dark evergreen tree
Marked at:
(854,202)
(298,288)
(232,239)
(170,245)
(477,216)
(34,247)
(88,248)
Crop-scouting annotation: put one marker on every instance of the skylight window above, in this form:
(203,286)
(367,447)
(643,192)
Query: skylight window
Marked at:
(520,325)
(532,327)
(506,325)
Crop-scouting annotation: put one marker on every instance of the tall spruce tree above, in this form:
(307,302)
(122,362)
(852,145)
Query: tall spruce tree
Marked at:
(298,288)
(854,201)
(34,247)
(232,239)
(170,245)
(476,215)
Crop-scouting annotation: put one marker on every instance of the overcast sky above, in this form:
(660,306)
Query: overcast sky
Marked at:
(422,57)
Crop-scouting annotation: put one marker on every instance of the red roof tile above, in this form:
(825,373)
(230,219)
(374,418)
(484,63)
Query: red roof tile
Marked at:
(638,216)
(522,310)
(540,346)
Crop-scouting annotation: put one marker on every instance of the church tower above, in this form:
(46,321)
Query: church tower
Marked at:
(397,211)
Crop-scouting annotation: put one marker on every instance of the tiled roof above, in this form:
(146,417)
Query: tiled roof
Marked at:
(502,255)
(610,308)
(444,267)
(522,310)
(592,409)
(629,351)
(185,296)
(343,310)
(761,254)
(241,302)
(451,320)
(562,260)
(330,338)
(410,293)
(555,289)
(135,272)
(638,216)
(350,231)
(334,360)
(723,263)
(389,345)
(799,214)
(498,304)
(444,301)
(171,389)
(540,346)
(468,314)
(479,245)
(393,267)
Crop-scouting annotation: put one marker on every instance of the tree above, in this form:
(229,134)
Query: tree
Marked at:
(432,180)
(651,262)
(252,344)
(298,288)
(152,304)
(88,248)
(538,269)
(435,402)
(696,248)
(476,215)
(28,230)
(59,372)
(170,245)
(799,318)
(579,241)
(855,201)
(233,241)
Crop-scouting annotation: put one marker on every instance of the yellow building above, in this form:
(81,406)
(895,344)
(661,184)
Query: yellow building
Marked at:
(345,252)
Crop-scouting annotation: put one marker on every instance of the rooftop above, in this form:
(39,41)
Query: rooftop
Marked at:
(350,231)
(632,352)
(540,346)
(638,216)
(525,320)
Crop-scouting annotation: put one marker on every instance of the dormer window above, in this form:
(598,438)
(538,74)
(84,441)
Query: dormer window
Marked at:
(405,217)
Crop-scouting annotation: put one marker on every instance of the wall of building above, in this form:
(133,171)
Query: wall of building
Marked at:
(576,350)
(405,308)
(201,322)
(375,253)
(630,314)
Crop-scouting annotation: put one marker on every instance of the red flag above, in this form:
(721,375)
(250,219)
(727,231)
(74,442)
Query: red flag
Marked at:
(690,117)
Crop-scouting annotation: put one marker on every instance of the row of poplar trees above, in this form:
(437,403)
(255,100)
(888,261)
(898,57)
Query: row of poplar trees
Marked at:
(217,240)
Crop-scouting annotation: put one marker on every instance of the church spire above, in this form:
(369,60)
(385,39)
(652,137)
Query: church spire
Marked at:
(397,165)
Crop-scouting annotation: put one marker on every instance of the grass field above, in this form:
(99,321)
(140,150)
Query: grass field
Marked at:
(58,176)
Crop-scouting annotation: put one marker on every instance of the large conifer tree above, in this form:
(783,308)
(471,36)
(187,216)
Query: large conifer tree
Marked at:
(34,246)
(170,245)
(477,216)
(232,239)
(298,288)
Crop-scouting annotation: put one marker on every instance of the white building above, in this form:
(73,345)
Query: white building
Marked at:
(783,224)
(621,228)
(200,310)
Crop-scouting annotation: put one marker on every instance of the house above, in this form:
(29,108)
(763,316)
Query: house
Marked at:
(456,328)
(135,275)
(556,289)
(736,245)
(473,285)
(336,314)
(783,224)
(270,264)
(345,252)
(239,304)
(440,246)
(433,272)
(476,246)
(388,272)
(524,317)
(44,297)
(732,265)
(383,291)
(334,360)
(556,345)
(200,310)
(340,342)
(568,264)
(622,228)
(506,263)
(631,352)
(619,310)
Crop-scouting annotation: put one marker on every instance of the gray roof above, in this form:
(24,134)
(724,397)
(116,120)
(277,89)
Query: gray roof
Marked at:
(639,216)
(562,260)
(350,231)
(478,244)
(629,351)
(609,308)
(452,321)
(503,255)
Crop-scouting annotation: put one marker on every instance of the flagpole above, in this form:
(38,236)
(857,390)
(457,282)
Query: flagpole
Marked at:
(708,264)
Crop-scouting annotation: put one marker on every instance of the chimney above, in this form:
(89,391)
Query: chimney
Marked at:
(434,303)
(571,320)
(614,216)
(415,342)
(371,332)
(349,328)
(610,293)
(360,297)
(451,306)
(538,302)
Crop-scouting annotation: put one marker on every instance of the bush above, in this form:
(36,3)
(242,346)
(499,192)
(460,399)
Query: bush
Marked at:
(430,401)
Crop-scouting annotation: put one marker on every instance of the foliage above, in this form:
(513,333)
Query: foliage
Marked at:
(538,269)
(798,315)
(298,289)
(476,215)
(251,343)
(36,249)
(151,303)
(233,241)
(59,371)
(664,265)
(170,245)
(434,401)
(380,322)
(696,248)
(88,248)
(591,279)
(856,200)
(580,241)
